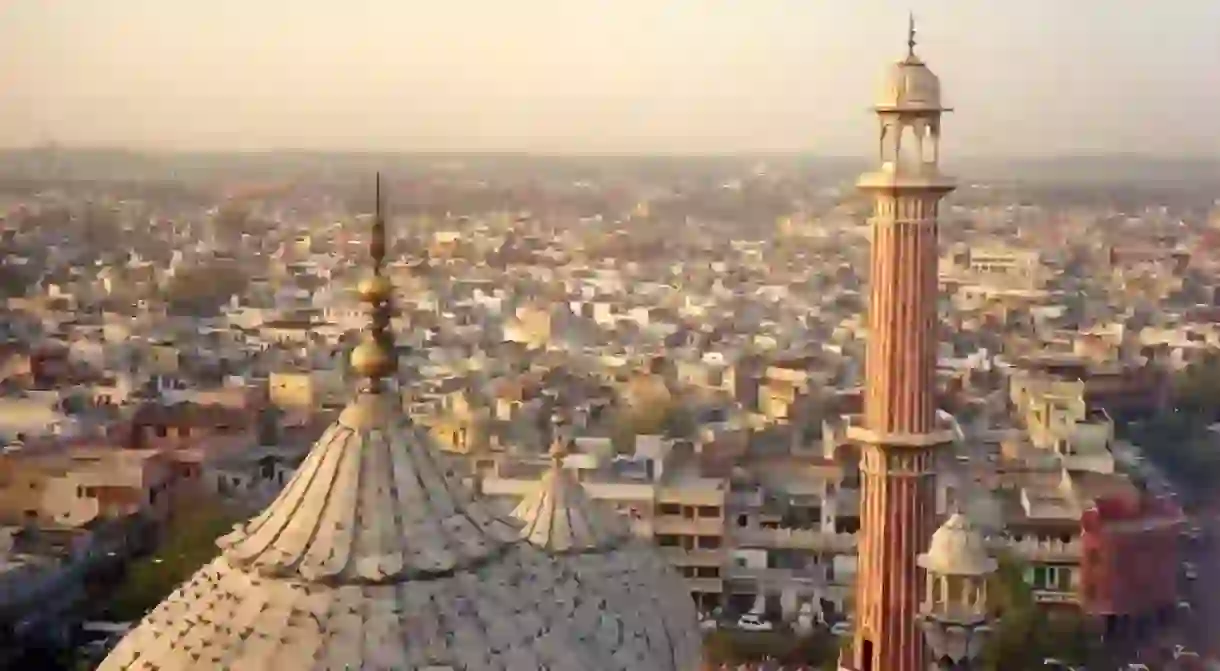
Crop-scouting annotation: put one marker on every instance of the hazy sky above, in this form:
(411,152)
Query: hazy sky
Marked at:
(1027,76)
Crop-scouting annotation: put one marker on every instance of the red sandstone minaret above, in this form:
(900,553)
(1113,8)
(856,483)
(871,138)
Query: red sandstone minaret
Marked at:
(899,432)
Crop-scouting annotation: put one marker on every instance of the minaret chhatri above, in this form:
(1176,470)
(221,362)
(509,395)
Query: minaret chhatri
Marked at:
(899,433)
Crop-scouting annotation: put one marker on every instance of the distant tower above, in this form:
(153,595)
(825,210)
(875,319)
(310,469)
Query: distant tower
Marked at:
(899,430)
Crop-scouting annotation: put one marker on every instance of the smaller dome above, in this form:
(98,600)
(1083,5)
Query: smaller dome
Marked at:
(370,360)
(957,548)
(375,289)
(627,574)
(910,86)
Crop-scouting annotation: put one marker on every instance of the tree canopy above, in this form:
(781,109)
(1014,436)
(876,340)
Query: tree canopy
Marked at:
(1179,441)
(203,289)
(189,543)
(1026,634)
(727,646)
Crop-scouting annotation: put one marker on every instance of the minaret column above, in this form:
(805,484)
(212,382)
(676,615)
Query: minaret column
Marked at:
(901,360)
(899,434)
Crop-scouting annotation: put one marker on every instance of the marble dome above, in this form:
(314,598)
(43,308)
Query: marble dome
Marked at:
(641,587)
(373,557)
(909,86)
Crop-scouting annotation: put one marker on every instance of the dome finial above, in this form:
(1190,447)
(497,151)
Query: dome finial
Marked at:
(374,358)
(559,440)
(911,34)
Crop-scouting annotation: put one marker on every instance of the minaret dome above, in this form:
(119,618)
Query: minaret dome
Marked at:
(909,85)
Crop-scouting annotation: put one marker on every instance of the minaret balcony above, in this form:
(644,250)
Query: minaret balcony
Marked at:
(926,176)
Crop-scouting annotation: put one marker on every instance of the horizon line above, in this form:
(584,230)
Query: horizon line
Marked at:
(576,154)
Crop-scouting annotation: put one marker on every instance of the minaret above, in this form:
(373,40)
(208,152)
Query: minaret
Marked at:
(899,432)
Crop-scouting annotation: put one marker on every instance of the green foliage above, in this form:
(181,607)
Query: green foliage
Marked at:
(726,646)
(1026,634)
(202,288)
(189,543)
(14,280)
(1178,441)
(1196,390)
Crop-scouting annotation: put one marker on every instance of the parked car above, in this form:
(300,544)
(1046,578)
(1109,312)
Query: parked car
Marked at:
(842,629)
(1180,651)
(753,622)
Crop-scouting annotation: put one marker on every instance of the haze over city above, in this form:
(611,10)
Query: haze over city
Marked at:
(634,335)
(635,76)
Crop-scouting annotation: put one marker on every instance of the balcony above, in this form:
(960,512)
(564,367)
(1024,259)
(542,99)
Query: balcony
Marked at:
(687,526)
(710,585)
(778,578)
(1055,597)
(801,539)
(1055,551)
(681,557)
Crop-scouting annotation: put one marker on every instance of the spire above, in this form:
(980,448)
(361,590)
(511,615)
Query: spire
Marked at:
(559,440)
(911,35)
(374,359)
(559,516)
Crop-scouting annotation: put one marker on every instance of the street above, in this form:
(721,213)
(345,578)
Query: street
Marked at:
(1202,625)
(1198,628)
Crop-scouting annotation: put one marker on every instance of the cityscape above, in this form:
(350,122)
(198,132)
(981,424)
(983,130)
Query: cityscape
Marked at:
(612,411)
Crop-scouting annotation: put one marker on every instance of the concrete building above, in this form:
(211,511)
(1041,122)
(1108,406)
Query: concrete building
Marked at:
(1129,574)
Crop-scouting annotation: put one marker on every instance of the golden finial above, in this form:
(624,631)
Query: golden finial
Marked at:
(559,440)
(911,35)
(559,450)
(374,359)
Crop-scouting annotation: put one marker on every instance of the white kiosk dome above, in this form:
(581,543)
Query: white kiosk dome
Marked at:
(909,85)
(957,549)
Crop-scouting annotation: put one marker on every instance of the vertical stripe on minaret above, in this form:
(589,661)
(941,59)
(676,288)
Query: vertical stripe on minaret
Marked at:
(899,432)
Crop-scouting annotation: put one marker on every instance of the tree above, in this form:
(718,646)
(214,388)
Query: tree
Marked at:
(1012,601)
(1196,390)
(726,646)
(204,289)
(189,543)
(1026,635)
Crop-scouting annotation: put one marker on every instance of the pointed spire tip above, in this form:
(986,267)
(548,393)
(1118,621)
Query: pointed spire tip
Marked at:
(911,34)
(374,359)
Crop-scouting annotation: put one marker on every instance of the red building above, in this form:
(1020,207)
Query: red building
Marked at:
(1129,570)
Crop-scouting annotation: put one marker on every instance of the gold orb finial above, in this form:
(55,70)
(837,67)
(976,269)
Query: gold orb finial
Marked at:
(375,289)
(371,360)
(374,358)
(559,450)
